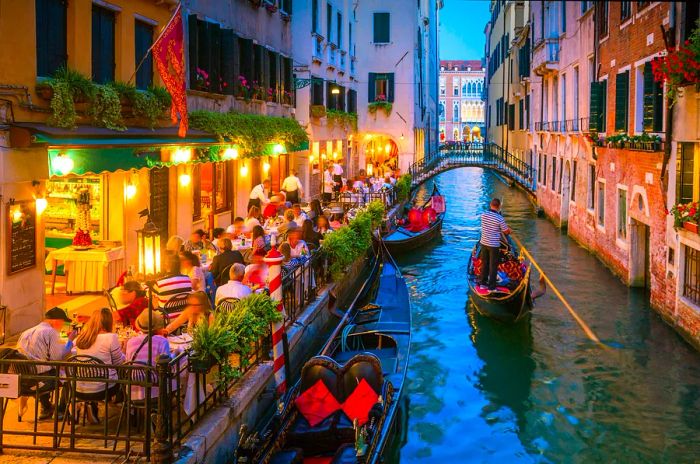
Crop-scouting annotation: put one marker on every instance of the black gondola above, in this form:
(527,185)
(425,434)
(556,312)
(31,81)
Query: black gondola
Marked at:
(400,239)
(507,303)
(343,408)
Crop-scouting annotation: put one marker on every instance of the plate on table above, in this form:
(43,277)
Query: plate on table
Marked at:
(80,248)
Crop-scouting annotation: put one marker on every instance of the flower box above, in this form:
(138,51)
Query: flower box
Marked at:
(690,226)
(318,111)
(206,94)
(44,91)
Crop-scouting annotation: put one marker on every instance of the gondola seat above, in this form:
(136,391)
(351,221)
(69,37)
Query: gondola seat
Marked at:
(345,455)
(288,456)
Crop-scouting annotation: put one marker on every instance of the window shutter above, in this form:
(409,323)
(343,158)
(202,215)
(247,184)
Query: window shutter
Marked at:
(50,36)
(658,90)
(382,32)
(648,113)
(143,40)
(390,85)
(214,56)
(371,91)
(621,100)
(595,119)
(245,47)
(193,33)
(265,81)
(228,59)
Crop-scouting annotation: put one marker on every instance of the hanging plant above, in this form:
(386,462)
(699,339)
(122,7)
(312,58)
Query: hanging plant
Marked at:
(318,111)
(62,106)
(343,119)
(151,105)
(82,87)
(679,68)
(106,109)
(127,92)
(385,106)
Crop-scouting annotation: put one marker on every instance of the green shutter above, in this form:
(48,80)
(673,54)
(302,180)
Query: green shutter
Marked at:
(371,95)
(390,86)
(595,107)
(604,106)
(214,56)
(622,82)
(228,59)
(382,33)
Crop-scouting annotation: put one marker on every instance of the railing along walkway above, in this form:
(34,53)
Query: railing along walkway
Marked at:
(489,156)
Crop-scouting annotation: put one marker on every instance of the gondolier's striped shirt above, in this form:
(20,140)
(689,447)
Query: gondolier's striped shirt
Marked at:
(492,226)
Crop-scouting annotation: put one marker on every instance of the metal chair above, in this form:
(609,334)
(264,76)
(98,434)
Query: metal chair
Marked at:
(227,305)
(175,305)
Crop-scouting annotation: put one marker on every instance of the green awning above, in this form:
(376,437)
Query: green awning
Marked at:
(81,161)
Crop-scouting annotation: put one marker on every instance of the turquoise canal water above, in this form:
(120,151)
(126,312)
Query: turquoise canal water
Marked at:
(539,391)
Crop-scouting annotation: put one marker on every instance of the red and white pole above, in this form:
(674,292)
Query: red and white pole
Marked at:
(274,261)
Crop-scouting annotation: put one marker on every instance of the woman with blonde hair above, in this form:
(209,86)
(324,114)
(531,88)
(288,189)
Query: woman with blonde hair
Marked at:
(198,309)
(252,220)
(97,339)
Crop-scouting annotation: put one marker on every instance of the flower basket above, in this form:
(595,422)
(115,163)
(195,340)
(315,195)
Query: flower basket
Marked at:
(384,106)
(691,227)
(318,111)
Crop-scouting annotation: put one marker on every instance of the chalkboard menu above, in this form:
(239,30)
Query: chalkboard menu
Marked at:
(159,200)
(21,227)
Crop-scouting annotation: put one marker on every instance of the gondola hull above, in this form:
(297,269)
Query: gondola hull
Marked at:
(510,307)
(400,242)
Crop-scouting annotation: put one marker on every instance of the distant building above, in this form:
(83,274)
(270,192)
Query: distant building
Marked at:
(462,108)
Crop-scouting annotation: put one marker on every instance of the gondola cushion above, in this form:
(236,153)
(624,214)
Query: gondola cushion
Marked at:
(288,456)
(345,455)
(360,401)
(429,216)
(317,403)
(320,438)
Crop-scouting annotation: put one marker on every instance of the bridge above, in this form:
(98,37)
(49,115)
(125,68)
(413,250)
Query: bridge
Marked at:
(487,156)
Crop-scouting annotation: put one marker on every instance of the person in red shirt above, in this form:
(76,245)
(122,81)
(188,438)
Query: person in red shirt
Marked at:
(134,296)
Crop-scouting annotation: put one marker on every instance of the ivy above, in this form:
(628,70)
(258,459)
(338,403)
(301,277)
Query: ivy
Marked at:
(252,132)
(62,106)
(106,108)
(343,119)
(151,104)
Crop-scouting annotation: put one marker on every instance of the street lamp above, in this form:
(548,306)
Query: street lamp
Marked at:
(148,242)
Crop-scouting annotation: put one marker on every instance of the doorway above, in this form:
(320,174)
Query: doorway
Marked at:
(640,262)
(565,194)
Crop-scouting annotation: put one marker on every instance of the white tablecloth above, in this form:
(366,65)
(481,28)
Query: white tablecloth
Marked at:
(93,270)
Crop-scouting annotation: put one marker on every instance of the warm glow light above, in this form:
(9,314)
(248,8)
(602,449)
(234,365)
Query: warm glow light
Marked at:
(62,164)
(335,155)
(16,214)
(149,254)
(182,155)
(335,91)
(244,170)
(41,204)
(370,169)
(278,149)
(387,148)
(266,167)
(230,154)
(401,138)
(323,156)
(185,180)
(311,159)
(130,191)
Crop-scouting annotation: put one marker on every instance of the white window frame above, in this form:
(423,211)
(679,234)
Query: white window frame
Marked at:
(622,242)
(600,182)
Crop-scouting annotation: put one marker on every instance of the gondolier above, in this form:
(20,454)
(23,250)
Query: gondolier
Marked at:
(258,196)
(493,226)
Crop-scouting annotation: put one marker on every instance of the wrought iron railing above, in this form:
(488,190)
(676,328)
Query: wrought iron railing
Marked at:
(300,283)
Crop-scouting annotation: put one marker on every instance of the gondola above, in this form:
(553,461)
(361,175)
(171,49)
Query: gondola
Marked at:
(401,238)
(509,302)
(346,403)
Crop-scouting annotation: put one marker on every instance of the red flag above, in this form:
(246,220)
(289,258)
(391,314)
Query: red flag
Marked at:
(169,56)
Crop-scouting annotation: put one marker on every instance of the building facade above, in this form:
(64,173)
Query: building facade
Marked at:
(397,68)
(461,108)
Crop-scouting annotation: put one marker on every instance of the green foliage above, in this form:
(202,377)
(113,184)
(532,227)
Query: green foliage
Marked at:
(82,87)
(318,111)
(106,109)
(125,90)
(152,104)
(345,245)
(62,106)
(623,139)
(252,132)
(343,119)
(403,187)
(385,106)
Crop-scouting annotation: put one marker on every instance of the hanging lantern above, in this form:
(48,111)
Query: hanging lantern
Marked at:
(230,153)
(148,241)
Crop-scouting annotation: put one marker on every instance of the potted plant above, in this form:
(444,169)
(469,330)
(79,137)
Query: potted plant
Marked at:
(202,82)
(680,67)
(687,216)
(318,111)
(152,105)
(106,109)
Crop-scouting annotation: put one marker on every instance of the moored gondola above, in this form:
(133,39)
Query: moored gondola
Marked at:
(419,227)
(345,404)
(512,298)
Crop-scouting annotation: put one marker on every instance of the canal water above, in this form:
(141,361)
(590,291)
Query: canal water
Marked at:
(540,391)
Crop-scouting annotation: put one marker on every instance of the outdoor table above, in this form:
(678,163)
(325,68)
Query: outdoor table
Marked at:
(93,270)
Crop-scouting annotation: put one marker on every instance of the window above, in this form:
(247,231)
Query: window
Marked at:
(143,39)
(329,23)
(622,85)
(652,102)
(591,187)
(642,5)
(102,44)
(575,95)
(597,107)
(625,11)
(286,6)
(555,99)
(527,111)
(622,214)
(691,275)
(207,54)
(544,171)
(50,36)
(382,28)
(340,29)
(573,182)
(210,189)
(350,45)
(545,102)
(441,110)
(381,87)
(273,75)
(561,172)
(554,173)
(685,168)
(455,112)
(602,23)
(455,89)
(563,100)
(521,112)
(352,101)
(511,117)
(601,203)
(314,16)
(539,171)
(443,87)
(317,91)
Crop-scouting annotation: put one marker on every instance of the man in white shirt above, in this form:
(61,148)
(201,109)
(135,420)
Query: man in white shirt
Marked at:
(293,188)
(233,288)
(258,196)
(337,176)
(328,184)
(299,215)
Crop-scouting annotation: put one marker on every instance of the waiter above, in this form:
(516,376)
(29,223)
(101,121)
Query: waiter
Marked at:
(293,188)
(328,184)
(258,197)
(337,176)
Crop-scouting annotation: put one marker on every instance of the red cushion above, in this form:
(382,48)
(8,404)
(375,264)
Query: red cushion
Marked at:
(317,403)
(360,401)
(318,460)
(429,215)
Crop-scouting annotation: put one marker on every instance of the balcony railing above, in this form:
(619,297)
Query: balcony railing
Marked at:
(342,62)
(545,58)
(332,58)
(352,65)
(552,49)
(317,49)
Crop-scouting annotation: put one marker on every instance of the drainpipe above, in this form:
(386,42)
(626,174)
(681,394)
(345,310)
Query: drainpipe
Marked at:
(669,40)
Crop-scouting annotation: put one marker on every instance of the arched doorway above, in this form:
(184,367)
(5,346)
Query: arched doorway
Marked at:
(565,194)
(381,155)
(466,134)
(476,133)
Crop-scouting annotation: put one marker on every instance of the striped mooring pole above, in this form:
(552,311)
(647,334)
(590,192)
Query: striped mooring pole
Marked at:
(274,261)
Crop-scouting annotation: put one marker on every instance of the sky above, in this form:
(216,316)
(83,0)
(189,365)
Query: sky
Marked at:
(462,25)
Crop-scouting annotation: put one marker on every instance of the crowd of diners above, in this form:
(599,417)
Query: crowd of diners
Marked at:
(203,270)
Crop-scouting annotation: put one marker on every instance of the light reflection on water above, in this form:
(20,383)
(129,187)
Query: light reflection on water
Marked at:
(480,391)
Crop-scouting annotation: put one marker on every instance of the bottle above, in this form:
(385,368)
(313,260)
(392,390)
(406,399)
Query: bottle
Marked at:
(129,274)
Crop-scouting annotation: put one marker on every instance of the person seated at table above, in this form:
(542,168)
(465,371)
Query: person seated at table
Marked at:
(97,339)
(174,245)
(336,218)
(347,186)
(287,225)
(192,268)
(358,184)
(137,348)
(310,236)
(42,343)
(297,245)
(198,309)
(286,251)
(173,283)
(198,242)
(252,220)
(133,296)
(236,229)
(271,208)
(315,210)
(256,272)
(299,215)
(387,183)
(234,288)
(258,238)
(218,235)
(323,226)
(221,262)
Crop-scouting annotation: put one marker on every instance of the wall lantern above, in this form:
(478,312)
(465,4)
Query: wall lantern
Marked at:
(62,164)
(278,149)
(230,153)
(335,91)
(185,180)
(130,191)
(266,167)
(41,204)
(182,155)
(244,170)
(148,243)
(387,148)
(335,155)
(323,156)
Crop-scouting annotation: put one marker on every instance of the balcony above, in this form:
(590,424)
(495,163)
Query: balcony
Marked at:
(545,59)
(341,68)
(317,48)
(352,65)
(332,57)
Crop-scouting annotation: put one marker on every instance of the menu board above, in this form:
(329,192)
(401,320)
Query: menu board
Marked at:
(21,227)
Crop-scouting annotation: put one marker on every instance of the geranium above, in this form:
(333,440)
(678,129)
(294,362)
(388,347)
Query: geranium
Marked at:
(681,67)
(685,212)
(380,98)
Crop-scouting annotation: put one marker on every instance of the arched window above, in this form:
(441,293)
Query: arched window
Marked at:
(441,110)
(464,111)
(470,89)
(455,112)
(464,87)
